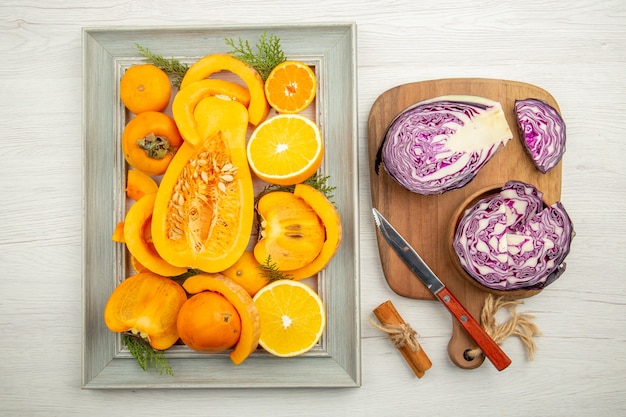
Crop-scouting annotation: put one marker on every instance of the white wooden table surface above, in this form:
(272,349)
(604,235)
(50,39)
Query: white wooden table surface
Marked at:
(574,49)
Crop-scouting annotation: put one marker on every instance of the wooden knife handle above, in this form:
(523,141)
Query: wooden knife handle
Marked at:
(492,351)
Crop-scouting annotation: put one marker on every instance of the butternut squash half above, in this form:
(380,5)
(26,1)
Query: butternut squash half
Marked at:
(204,208)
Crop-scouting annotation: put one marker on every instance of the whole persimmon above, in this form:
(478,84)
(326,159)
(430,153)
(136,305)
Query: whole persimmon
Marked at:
(247,272)
(145,87)
(208,323)
(149,142)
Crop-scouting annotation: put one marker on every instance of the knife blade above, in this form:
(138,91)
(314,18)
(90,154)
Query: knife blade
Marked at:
(421,270)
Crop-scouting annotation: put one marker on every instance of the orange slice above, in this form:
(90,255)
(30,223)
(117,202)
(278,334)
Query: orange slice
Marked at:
(290,87)
(292,317)
(286,149)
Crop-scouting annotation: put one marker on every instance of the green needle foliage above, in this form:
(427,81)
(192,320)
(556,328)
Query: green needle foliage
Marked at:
(269,53)
(318,181)
(146,356)
(270,270)
(172,67)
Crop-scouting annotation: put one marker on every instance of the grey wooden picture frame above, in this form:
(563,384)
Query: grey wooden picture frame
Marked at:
(107,52)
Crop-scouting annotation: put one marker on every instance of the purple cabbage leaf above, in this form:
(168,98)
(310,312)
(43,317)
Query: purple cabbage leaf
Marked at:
(542,132)
(510,240)
(440,144)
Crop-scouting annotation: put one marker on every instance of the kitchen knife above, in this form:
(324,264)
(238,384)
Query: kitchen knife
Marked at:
(411,258)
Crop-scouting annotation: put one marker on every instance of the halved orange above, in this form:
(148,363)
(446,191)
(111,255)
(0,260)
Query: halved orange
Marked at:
(290,87)
(286,149)
(292,315)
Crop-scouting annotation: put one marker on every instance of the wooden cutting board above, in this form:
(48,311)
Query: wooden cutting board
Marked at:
(426,222)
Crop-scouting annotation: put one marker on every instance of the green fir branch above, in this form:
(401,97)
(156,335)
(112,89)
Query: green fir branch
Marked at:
(146,356)
(317,181)
(269,53)
(271,271)
(172,67)
(320,182)
(183,277)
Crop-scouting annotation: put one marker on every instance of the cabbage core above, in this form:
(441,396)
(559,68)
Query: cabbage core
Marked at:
(440,144)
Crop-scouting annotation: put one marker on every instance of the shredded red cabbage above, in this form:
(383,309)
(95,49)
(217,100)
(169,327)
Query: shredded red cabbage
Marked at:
(440,144)
(510,240)
(542,131)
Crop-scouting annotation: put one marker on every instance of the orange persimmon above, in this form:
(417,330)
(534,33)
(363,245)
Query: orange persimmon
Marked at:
(139,184)
(149,142)
(290,231)
(208,323)
(243,303)
(248,273)
(292,234)
(146,304)
(145,88)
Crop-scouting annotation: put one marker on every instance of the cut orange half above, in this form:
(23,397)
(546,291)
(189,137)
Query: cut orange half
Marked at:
(290,87)
(286,149)
(292,317)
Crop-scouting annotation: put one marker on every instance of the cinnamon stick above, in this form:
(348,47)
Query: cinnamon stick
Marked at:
(403,337)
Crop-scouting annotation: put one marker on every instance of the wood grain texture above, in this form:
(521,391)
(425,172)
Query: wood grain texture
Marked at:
(427,221)
(576,50)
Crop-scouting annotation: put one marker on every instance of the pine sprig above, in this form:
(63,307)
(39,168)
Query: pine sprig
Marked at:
(172,67)
(317,181)
(146,356)
(269,53)
(320,182)
(271,271)
(183,277)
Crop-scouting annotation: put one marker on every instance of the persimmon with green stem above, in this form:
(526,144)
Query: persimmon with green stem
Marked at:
(149,142)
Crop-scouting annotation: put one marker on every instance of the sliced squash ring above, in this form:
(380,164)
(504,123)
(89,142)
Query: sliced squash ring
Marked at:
(138,219)
(187,99)
(214,63)
(329,215)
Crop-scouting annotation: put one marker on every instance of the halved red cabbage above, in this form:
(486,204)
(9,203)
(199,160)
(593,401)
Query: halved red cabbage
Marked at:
(439,144)
(542,131)
(510,240)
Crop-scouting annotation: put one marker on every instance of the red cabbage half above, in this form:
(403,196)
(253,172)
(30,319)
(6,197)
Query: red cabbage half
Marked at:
(542,131)
(440,144)
(510,240)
